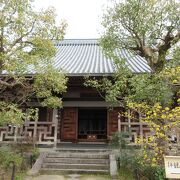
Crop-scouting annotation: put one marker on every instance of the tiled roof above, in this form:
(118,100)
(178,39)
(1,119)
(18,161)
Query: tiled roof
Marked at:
(78,57)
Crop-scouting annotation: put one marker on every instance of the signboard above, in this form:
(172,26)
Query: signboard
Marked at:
(172,167)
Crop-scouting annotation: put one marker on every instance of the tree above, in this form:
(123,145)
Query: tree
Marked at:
(161,121)
(27,49)
(125,86)
(149,28)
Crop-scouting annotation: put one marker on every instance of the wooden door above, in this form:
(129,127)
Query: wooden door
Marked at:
(112,123)
(69,124)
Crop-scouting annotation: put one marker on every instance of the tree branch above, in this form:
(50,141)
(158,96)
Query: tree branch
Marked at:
(18,40)
(15,82)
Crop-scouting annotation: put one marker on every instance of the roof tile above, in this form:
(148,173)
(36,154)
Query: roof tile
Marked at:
(78,57)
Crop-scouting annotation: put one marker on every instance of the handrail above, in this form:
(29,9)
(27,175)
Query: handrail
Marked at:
(38,132)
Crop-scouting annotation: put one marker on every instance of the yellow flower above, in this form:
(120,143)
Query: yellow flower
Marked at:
(157,128)
(153,160)
(163,116)
(174,81)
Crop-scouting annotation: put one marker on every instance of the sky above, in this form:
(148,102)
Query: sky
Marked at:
(82,16)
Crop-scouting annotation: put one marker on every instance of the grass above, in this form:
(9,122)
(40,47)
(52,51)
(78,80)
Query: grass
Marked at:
(125,174)
(6,175)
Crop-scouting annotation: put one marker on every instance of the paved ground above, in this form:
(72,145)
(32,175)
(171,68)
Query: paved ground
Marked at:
(46,177)
(67,177)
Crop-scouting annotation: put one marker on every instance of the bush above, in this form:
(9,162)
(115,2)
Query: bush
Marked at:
(7,156)
(22,156)
(131,161)
(119,140)
(147,172)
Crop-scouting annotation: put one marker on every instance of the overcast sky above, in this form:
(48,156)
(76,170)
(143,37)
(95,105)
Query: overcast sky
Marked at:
(83,16)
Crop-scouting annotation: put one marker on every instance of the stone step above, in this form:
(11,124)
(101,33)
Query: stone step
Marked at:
(68,171)
(75,166)
(76,160)
(79,155)
(82,150)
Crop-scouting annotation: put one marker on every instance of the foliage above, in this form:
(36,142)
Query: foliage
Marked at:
(173,74)
(48,83)
(126,27)
(125,86)
(35,154)
(11,114)
(21,155)
(119,140)
(148,28)
(125,174)
(131,162)
(137,170)
(114,88)
(161,122)
(172,69)
(27,39)
(147,172)
(150,88)
(7,157)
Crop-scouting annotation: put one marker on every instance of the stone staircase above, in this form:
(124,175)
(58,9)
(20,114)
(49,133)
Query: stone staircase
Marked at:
(76,161)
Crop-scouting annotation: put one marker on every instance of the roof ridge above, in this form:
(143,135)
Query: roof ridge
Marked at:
(77,42)
(81,38)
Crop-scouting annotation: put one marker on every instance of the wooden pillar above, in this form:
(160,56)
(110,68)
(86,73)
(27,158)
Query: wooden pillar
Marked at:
(35,131)
(59,116)
(141,129)
(177,130)
(119,123)
(55,130)
(15,133)
(129,119)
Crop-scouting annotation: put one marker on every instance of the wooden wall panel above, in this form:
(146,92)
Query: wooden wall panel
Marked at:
(50,114)
(42,114)
(112,123)
(69,124)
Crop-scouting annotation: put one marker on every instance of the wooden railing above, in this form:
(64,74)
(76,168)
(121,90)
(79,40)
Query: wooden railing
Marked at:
(175,136)
(31,132)
(136,130)
(141,130)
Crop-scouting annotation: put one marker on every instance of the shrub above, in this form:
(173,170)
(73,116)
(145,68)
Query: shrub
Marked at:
(21,155)
(7,156)
(131,159)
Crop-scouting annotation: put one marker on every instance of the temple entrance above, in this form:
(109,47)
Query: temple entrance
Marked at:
(92,124)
